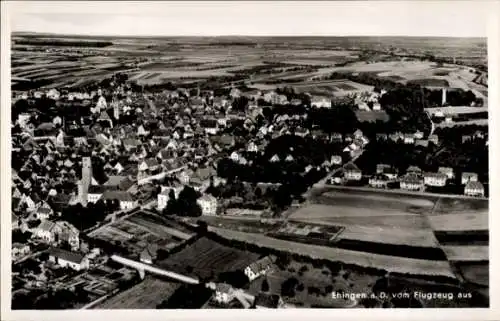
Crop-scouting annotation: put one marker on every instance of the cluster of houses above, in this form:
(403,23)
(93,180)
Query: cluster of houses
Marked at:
(413,180)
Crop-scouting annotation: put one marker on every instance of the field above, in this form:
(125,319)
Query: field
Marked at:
(459,222)
(140,229)
(145,295)
(475,272)
(385,262)
(466,253)
(206,257)
(455,110)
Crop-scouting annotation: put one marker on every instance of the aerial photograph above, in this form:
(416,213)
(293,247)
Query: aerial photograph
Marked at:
(168,169)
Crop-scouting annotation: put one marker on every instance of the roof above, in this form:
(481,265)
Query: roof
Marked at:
(100,189)
(118,195)
(267,300)
(66,255)
(411,179)
(46,225)
(261,264)
(474,185)
(223,287)
(351,167)
(104,116)
(436,175)
(469,174)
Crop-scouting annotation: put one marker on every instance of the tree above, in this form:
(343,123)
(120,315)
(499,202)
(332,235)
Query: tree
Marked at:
(186,204)
(288,287)
(265,286)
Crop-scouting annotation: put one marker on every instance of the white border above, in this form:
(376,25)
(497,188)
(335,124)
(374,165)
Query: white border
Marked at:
(363,314)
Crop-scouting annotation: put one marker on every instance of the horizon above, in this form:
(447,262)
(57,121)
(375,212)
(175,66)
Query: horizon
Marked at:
(17,33)
(464,19)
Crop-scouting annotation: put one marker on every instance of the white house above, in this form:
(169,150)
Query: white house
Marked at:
(474,189)
(19,250)
(65,258)
(435,179)
(208,204)
(352,172)
(469,177)
(321,102)
(259,268)
(223,293)
(125,199)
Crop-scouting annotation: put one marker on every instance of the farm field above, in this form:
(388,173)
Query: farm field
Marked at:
(422,238)
(478,122)
(466,253)
(145,295)
(456,110)
(385,262)
(206,257)
(140,229)
(408,221)
(462,206)
(459,222)
(475,272)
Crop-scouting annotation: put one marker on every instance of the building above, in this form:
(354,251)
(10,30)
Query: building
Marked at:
(268,301)
(448,171)
(321,102)
(65,258)
(259,268)
(378,181)
(434,139)
(86,179)
(95,192)
(125,199)
(411,182)
(19,250)
(381,168)
(208,204)
(469,177)
(336,160)
(474,189)
(435,179)
(223,293)
(352,172)
(148,254)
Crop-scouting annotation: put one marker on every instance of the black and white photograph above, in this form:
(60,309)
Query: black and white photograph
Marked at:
(246,155)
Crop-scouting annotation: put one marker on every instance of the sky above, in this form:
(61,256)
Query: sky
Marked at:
(301,18)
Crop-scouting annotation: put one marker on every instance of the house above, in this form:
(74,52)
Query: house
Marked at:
(223,293)
(466,138)
(141,131)
(421,142)
(408,139)
(414,170)
(469,177)
(336,160)
(19,250)
(411,182)
(352,172)
(234,156)
(418,135)
(275,158)
(69,234)
(43,212)
(474,189)
(65,258)
(208,204)
(252,147)
(268,301)
(378,181)
(259,268)
(435,179)
(448,171)
(148,254)
(336,137)
(434,139)
(381,167)
(125,199)
(47,231)
(95,192)
(381,137)
(150,164)
(321,102)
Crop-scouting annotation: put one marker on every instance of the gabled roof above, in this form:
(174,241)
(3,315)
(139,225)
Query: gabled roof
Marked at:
(66,255)
(474,185)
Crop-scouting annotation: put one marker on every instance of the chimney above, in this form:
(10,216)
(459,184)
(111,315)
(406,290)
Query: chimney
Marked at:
(443,99)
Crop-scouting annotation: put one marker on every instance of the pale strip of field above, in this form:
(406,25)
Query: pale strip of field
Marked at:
(424,238)
(145,295)
(409,222)
(466,253)
(385,262)
(459,222)
(479,122)
(407,201)
(457,110)
(316,211)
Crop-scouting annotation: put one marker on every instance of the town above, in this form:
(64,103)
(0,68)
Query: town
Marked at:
(248,193)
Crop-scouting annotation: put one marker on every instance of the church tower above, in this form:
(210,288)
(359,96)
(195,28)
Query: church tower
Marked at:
(86,179)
